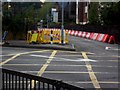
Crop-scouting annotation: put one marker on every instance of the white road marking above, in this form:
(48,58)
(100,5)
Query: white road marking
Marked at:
(15,56)
(58,65)
(82,82)
(111,48)
(64,59)
(69,72)
(74,52)
(102,82)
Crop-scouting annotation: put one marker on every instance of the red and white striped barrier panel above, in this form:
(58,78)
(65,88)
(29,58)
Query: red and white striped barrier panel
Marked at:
(76,33)
(93,36)
(88,35)
(80,33)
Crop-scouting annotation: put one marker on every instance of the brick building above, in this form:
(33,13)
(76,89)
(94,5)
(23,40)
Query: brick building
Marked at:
(75,12)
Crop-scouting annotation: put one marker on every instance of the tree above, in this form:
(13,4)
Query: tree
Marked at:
(110,14)
(93,13)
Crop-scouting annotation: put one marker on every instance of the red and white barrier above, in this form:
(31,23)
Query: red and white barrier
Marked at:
(88,35)
(83,34)
(112,39)
(76,33)
(72,32)
(93,36)
(80,33)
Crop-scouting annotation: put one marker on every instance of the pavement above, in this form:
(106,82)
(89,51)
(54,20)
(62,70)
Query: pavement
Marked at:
(24,44)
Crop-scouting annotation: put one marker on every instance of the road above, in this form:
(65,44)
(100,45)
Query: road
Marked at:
(93,65)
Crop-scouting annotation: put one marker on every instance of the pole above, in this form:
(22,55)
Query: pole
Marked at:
(62,27)
(76,11)
(47,19)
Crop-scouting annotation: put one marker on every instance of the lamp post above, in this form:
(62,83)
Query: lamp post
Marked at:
(62,26)
(76,11)
(62,4)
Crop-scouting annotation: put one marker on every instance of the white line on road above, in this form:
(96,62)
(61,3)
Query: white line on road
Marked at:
(64,59)
(15,56)
(70,72)
(82,82)
(112,48)
(59,65)
(102,82)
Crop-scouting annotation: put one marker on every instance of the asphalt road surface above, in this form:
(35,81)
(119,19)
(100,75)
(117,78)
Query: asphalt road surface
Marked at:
(93,65)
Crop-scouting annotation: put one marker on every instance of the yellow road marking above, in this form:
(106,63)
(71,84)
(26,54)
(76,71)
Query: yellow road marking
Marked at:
(41,71)
(2,63)
(43,68)
(91,73)
(6,61)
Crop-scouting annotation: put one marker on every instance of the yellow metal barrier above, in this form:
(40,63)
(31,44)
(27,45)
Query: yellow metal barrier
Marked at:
(29,35)
(66,36)
(47,36)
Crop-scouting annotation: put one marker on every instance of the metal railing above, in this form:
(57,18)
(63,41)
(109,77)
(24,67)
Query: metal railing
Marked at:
(13,80)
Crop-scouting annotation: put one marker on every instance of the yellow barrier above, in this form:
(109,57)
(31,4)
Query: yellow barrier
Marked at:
(66,37)
(29,35)
(47,36)
(34,38)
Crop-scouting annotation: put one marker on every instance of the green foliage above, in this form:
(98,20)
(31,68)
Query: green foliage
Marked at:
(93,13)
(44,10)
(21,17)
(111,14)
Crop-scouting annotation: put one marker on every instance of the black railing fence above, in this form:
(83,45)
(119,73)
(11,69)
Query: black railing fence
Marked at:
(13,80)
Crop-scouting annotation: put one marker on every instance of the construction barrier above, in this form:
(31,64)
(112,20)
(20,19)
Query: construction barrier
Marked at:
(29,35)
(93,36)
(47,36)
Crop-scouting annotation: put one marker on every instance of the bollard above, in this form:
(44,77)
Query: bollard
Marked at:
(51,37)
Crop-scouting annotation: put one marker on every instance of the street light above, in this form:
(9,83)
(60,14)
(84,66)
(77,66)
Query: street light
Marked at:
(62,4)
(62,27)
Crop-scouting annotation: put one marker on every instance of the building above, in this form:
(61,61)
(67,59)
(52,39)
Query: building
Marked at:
(76,12)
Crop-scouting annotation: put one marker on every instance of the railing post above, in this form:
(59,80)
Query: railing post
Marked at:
(10,79)
(58,85)
(3,81)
